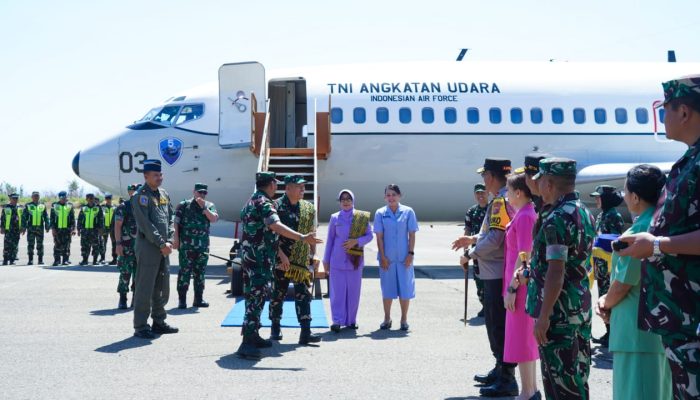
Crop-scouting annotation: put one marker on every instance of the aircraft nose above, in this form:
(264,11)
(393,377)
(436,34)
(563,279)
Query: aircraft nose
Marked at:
(76,164)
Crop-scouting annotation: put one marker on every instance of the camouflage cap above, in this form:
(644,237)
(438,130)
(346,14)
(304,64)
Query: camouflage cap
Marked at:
(14,196)
(603,189)
(294,179)
(497,165)
(479,187)
(556,166)
(201,187)
(688,86)
(263,178)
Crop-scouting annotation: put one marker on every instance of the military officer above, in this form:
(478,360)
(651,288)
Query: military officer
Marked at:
(35,220)
(558,294)
(489,250)
(670,295)
(299,215)
(153,212)
(192,220)
(62,228)
(125,239)
(608,221)
(531,168)
(472,225)
(11,227)
(261,227)
(90,227)
(108,232)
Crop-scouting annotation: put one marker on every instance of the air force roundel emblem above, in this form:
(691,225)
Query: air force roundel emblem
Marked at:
(170,150)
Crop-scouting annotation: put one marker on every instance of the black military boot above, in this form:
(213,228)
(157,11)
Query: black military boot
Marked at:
(30,262)
(199,301)
(95,262)
(276,331)
(603,340)
(66,261)
(55,262)
(41,260)
(490,377)
(163,328)
(113,262)
(4,261)
(82,263)
(259,342)
(182,296)
(306,336)
(505,385)
(122,301)
(248,350)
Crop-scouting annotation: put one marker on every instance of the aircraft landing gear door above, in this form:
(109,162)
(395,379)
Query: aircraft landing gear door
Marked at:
(237,84)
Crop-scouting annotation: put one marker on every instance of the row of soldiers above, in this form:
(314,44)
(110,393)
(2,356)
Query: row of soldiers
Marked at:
(94,226)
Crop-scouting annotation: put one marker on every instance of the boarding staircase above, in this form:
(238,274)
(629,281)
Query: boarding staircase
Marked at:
(294,162)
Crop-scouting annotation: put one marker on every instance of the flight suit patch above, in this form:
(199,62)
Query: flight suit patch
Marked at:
(143,200)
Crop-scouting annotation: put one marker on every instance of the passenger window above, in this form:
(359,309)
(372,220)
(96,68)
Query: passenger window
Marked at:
(167,115)
(579,115)
(516,115)
(557,115)
(495,115)
(642,115)
(536,115)
(189,113)
(620,115)
(473,115)
(662,115)
(336,115)
(450,115)
(382,115)
(405,115)
(600,116)
(359,116)
(428,115)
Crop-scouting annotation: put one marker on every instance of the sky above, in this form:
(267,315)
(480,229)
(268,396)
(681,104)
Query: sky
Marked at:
(76,72)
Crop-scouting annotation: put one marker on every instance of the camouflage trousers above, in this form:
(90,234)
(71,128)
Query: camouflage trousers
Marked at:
(10,244)
(302,298)
(127,270)
(89,243)
(602,276)
(61,243)
(566,361)
(103,245)
(684,359)
(35,236)
(256,287)
(479,284)
(192,261)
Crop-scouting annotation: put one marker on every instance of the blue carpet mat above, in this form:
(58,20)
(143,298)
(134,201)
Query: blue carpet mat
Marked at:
(289,315)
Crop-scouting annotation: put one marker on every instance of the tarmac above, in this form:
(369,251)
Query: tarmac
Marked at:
(62,337)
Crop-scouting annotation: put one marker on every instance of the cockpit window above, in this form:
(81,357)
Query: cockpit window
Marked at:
(166,116)
(149,115)
(189,113)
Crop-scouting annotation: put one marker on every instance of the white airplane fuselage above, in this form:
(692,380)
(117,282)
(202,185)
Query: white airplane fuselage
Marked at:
(434,156)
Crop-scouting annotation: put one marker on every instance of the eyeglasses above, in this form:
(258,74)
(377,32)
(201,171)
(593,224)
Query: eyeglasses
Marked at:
(346,199)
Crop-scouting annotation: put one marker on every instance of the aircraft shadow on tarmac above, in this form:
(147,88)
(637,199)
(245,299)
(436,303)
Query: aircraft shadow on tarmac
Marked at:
(233,362)
(125,344)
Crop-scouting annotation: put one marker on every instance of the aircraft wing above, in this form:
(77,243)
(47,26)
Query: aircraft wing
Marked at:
(600,173)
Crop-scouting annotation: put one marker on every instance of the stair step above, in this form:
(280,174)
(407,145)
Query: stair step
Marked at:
(270,166)
(272,158)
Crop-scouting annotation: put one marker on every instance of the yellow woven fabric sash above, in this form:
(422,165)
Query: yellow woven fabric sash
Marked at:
(357,229)
(299,257)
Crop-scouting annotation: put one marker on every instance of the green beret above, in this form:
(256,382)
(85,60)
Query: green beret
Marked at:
(688,86)
(263,178)
(479,187)
(498,165)
(294,179)
(201,187)
(556,167)
(603,189)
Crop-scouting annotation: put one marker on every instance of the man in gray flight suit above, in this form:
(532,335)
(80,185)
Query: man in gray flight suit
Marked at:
(153,213)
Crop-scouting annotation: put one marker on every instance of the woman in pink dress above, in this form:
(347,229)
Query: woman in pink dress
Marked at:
(520,345)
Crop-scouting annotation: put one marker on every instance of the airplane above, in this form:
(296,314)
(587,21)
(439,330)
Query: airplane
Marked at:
(426,126)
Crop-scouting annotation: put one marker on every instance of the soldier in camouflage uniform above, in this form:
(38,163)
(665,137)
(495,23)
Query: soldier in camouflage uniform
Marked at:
(558,293)
(90,227)
(11,227)
(472,225)
(261,227)
(289,208)
(62,228)
(670,291)
(35,220)
(192,220)
(125,237)
(609,221)
(108,232)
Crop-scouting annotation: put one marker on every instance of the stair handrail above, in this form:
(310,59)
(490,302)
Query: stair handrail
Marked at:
(264,157)
(316,195)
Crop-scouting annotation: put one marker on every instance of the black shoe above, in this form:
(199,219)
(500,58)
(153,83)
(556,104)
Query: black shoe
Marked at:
(536,396)
(182,299)
(603,340)
(41,261)
(56,263)
(164,329)
(353,327)
(95,262)
(247,350)
(145,334)
(276,331)
(4,262)
(490,377)
(199,301)
(67,261)
(113,262)
(102,261)
(259,342)
(306,336)
(82,263)
(505,385)
(122,301)
(480,314)
(30,262)
(335,328)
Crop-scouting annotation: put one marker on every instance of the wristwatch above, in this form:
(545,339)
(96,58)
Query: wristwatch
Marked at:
(657,247)
(511,289)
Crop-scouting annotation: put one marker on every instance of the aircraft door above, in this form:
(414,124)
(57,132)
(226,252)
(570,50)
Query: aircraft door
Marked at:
(237,84)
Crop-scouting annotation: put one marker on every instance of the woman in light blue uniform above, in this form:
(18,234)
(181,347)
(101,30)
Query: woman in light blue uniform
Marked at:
(395,226)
